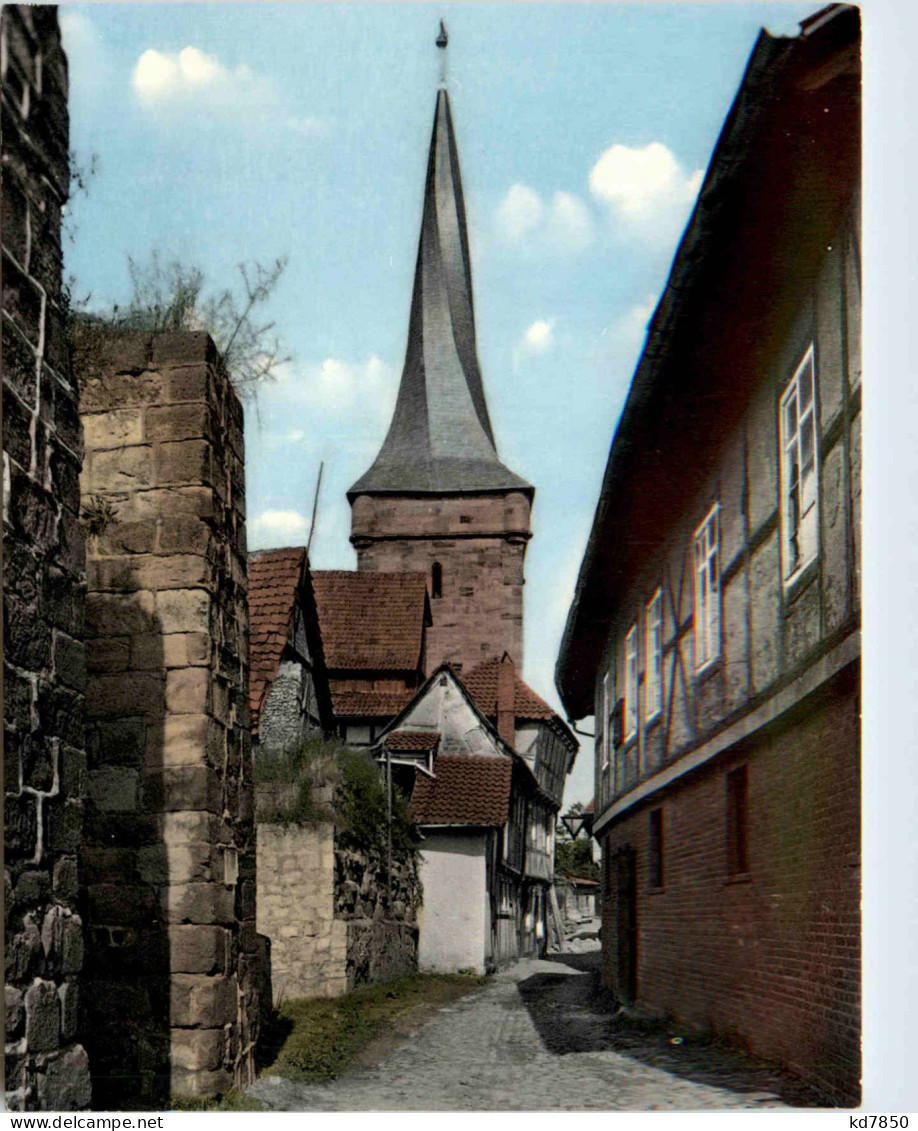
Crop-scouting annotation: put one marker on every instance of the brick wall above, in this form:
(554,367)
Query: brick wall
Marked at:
(43,583)
(772,958)
(480,543)
(170,853)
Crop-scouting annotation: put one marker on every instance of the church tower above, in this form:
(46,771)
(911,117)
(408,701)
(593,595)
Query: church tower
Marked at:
(437,499)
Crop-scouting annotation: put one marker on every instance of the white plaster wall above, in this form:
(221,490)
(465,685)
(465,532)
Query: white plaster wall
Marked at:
(454,919)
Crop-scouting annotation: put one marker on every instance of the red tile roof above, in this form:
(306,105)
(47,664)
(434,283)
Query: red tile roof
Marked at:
(411,740)
(274,577)
(481,684)
(371,620)
(369,704)
(467,790)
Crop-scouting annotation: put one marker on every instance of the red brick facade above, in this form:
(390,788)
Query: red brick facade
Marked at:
(479,542)
(771,957)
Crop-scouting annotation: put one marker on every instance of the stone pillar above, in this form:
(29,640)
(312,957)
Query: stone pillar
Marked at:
(170,854)
(43,583)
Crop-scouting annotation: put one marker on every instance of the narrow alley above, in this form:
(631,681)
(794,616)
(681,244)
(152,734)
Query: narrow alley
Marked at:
(540,1037)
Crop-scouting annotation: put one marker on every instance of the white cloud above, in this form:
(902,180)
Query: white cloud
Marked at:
(519,212)
(563,224)
(537,338)
(335,385)
(647,189)
(275,527)
(192,79)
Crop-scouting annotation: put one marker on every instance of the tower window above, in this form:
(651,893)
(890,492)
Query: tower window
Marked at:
(436,580)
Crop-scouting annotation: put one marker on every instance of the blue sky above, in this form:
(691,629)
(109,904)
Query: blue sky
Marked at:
(253,131)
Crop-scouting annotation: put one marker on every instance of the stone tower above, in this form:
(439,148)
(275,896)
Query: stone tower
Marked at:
(437,498)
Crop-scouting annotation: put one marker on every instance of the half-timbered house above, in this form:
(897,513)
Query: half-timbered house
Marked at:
(714,632)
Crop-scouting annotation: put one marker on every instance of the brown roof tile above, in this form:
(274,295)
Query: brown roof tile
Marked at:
(481,684)
(371,620)
(410,740)
(467,790)
(274,577)
(369,704)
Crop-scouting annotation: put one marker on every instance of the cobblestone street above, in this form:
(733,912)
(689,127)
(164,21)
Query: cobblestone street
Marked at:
(540,1038)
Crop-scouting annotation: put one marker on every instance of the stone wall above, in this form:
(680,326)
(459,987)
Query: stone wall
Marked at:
(170,854)
(380,909)
(334,921)
(43,583)
(479,542)
(296,910)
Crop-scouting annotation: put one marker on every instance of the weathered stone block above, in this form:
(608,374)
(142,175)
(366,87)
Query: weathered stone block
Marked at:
(202,1001)
(117,614)
(65,1085)
(42,1010)
(195,1083)
(192,739)
(198,949)
(147,571)
(184,610)
(185,534)
(124,390)
(184,463)
(121,904)
(188,690)
(70,661)
(125,693)
(118,742)
(127,538)
(199,903)
(108,654)
(183,787)
(115,789)
(117,429)
(125,469)
(69,995)
(178,422)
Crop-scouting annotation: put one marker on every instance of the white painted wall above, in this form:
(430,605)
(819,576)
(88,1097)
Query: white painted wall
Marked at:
(454,919)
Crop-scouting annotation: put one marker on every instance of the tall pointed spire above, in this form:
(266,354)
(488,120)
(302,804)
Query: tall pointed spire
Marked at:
(440,438)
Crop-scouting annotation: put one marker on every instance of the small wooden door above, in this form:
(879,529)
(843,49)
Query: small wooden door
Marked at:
(627,924)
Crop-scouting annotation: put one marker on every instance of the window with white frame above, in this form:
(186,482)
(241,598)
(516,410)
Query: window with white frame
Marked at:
(799,471)
(631,667)
(653,656)
(706,559)
(606,740)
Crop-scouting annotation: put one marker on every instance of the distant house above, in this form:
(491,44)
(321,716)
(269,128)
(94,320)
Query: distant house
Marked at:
(288,683)
(577,897)
(714,633)
(487,825)
(374,636)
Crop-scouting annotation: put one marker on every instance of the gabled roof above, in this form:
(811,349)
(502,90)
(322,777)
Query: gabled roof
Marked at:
(368,704)
(467,790)
(371,621)
(440,438)
(407,741)
(481,683)
(275,577)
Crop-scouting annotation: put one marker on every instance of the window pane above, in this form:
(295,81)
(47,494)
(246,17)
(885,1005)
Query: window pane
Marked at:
(806,440)
(790,417)
(806,385)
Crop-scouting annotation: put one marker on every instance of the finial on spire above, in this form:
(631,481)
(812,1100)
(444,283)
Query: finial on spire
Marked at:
(442,41)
